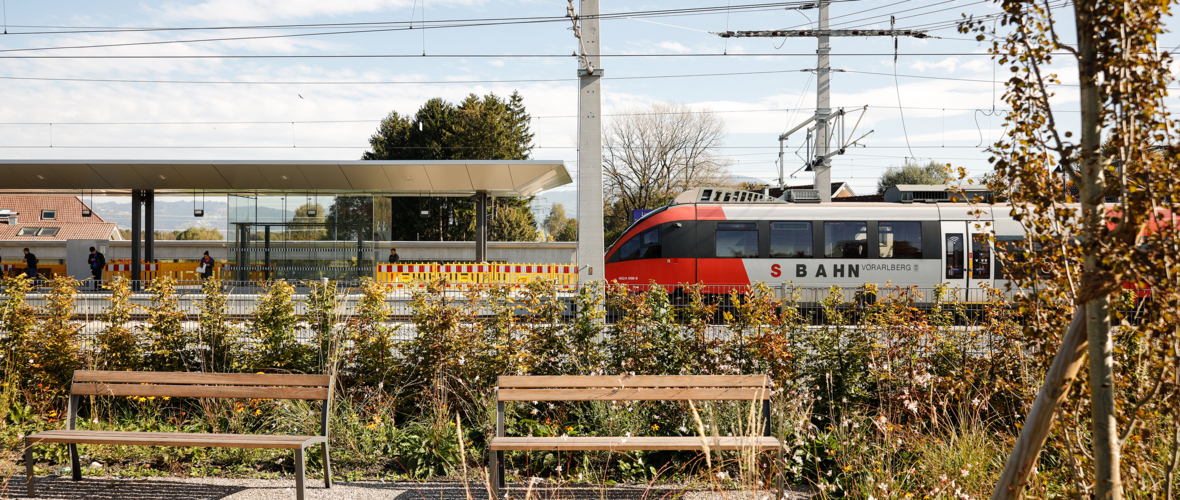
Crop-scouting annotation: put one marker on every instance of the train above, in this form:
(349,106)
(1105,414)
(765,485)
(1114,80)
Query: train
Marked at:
(728,238)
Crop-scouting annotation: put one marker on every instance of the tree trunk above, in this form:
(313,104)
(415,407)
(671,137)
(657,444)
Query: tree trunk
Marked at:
(1066,364)
(1092,187)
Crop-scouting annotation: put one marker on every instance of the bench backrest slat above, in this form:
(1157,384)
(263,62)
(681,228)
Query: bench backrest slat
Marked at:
(186,378)
(201,391)
(635,394)
(201,385)
(577,381)
(633,388)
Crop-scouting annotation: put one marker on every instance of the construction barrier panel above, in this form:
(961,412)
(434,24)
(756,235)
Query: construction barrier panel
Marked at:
(416,275)
(183,273)
(43,270)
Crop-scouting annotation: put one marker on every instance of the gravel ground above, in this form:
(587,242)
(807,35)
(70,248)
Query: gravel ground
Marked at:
(206,488)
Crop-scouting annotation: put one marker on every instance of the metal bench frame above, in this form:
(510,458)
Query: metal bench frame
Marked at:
(629,388)
(196,385)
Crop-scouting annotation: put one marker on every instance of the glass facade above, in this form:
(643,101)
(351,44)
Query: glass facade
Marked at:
(297,237)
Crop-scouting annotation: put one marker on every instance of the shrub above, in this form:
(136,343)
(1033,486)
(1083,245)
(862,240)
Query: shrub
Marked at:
(372,350)
(273,327)
(168,342)
(218,340)
(117,346)
(322,313)
(56,346)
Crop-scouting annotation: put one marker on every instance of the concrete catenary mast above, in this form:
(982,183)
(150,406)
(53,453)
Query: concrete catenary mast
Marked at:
(591,247)
(821,162)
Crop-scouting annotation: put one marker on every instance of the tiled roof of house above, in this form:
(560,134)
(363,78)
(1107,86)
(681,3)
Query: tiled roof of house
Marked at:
(68,219)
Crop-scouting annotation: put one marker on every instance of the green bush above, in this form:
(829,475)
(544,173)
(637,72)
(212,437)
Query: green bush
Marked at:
(890,390)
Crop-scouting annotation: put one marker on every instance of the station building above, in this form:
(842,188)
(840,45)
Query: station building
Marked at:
(348,241)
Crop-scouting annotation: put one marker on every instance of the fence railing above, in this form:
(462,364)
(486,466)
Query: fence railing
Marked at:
(961,307)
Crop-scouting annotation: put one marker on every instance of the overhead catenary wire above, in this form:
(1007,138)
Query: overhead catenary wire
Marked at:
(461,22)
(494,56)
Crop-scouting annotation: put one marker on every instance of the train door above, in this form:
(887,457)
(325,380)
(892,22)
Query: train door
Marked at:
(980,255)
(955,241)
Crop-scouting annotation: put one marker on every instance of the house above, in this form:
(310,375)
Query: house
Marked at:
(52,217)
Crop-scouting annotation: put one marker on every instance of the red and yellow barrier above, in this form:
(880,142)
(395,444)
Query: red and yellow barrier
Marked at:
(183,273)
(416,275)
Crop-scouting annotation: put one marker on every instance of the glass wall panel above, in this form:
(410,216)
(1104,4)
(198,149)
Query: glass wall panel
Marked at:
(298,237)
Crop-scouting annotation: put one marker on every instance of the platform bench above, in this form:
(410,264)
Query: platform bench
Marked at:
(191,385)
(628,388)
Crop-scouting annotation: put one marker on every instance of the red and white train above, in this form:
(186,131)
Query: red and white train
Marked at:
(732,238)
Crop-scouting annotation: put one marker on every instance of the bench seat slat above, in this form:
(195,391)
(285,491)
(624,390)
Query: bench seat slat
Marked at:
(199,391)
(634,394)
(729,443)
(579,381)
(126,377)
(175,439)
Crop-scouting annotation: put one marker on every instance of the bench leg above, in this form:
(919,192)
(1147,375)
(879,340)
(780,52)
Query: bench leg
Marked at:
(29,472)
(499,469)
(327,467)
(780,469)
(299,474)
(493,474)
(75,464)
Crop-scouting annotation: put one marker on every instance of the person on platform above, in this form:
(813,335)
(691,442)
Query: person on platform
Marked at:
(207,263)
(30,265)
(97,262)
(393,258)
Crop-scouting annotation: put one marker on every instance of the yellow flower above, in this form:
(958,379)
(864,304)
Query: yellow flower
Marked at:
(655,427)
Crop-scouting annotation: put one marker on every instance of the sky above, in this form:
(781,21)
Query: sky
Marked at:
(935,102)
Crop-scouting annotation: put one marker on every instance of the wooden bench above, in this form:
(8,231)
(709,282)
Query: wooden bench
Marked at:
(628,388)
(191,385)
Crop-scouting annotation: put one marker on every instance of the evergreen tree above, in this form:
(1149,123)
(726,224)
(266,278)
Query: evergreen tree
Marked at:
(478,128)
(913,173)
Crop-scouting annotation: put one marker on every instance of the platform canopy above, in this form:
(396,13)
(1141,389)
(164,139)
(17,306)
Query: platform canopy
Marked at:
(498,178)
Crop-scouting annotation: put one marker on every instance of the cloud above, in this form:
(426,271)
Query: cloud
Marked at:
(262,10)
(949,64)
(674,47)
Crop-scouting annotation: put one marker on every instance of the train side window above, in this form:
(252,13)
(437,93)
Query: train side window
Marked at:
(954,256)
(981,257)
(737,239)
(900,240)
(846,240)
(1013,252)
(650,244)
(790,240)
(629,250)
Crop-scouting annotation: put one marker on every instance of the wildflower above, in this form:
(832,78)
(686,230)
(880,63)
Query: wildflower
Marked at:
(963,472)
(683,430)
(558,469)
(655,427)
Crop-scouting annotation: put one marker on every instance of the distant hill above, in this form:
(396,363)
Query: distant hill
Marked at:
(170,215)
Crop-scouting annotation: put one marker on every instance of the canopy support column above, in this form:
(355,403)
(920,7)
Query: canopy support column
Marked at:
(149,225)
(266,254)
(481,226)
(136,215)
